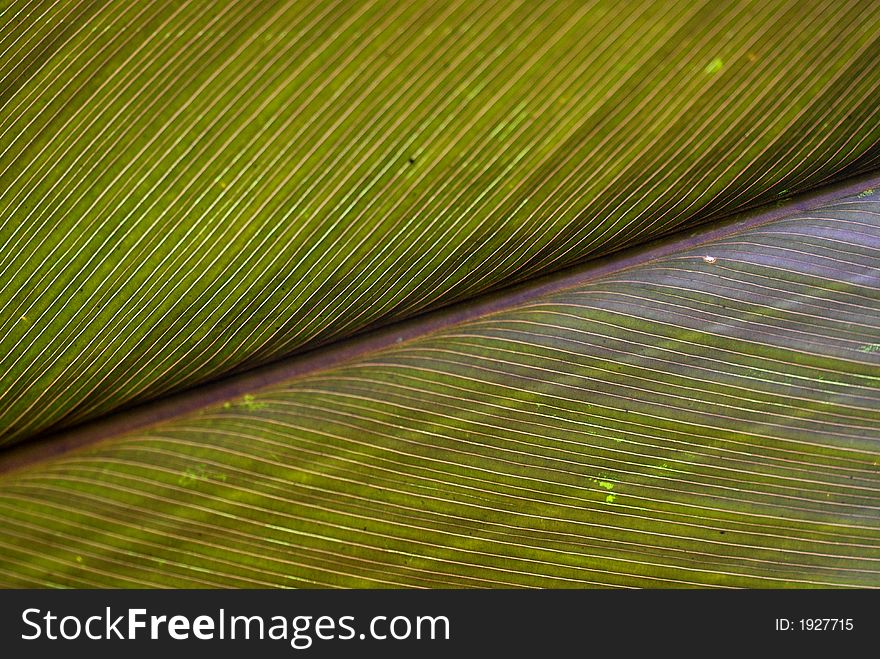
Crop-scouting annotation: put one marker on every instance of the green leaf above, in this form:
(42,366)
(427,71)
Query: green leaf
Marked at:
(194,189)
(257,322)
(705,418)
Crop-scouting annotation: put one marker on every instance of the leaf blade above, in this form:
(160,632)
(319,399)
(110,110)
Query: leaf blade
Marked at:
(558,443)
(310,171)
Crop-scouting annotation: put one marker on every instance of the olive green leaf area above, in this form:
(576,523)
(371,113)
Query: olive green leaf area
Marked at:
(192,189)
(709,418)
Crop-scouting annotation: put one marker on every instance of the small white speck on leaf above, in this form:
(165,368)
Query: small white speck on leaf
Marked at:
(709,259)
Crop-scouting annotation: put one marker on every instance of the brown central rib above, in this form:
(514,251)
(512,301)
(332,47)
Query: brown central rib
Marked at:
(150,413)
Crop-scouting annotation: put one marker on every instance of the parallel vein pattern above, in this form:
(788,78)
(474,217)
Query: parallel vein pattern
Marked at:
(189,189)
(709,418)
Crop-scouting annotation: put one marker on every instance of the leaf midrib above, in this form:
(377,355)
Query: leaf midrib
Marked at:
(54,443)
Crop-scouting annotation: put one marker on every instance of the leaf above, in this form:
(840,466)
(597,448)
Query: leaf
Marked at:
(705,418)
(194,189)
(257,325)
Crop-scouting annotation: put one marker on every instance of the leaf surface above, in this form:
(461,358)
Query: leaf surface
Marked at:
(704,418)
(192,189)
